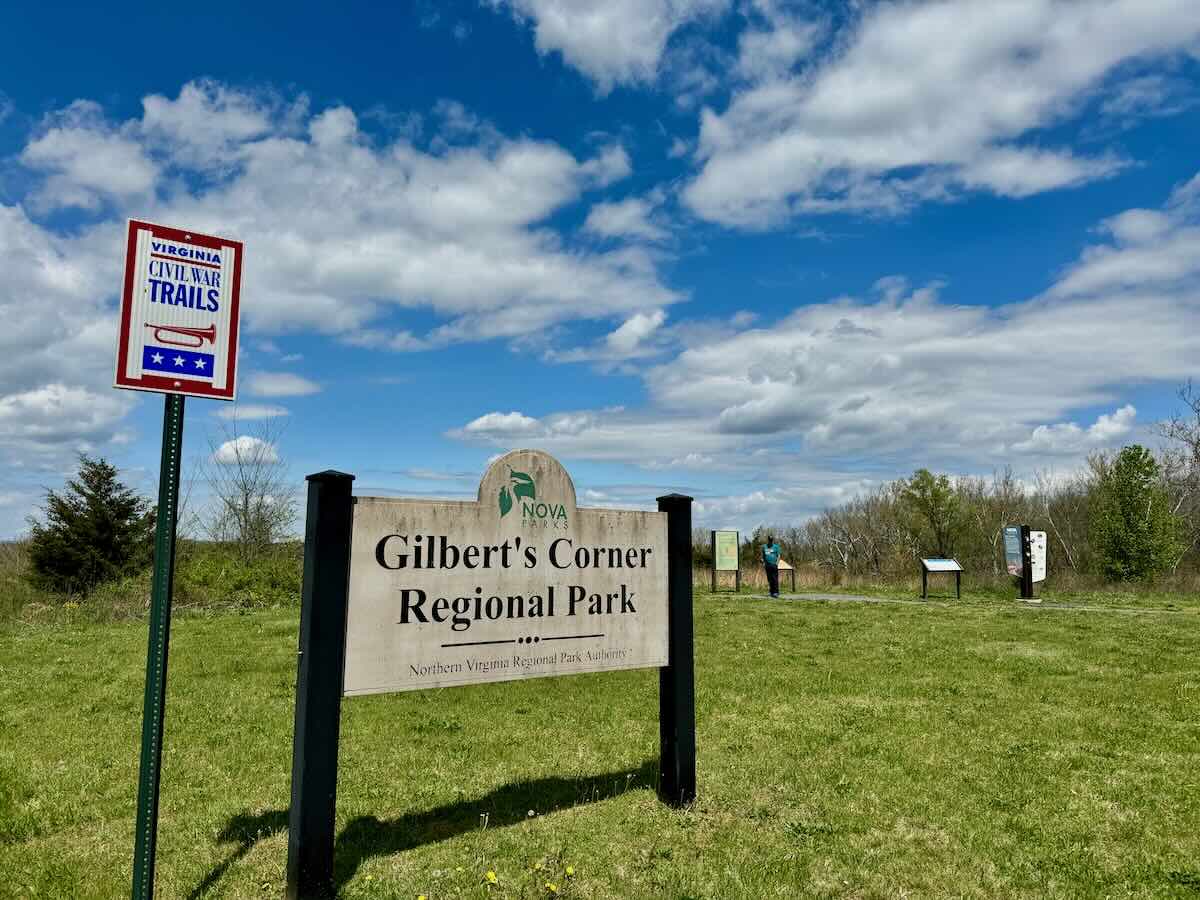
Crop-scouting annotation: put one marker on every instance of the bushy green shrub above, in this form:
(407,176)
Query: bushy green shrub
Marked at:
(95,530)
(1134,532)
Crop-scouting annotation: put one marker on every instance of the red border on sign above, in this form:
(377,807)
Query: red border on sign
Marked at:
(162,383)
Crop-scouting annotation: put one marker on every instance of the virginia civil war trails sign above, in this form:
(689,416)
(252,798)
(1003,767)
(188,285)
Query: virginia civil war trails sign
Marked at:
(179,312)
(520,584)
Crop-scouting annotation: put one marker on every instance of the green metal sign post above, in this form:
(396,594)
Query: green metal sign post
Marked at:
(156,655)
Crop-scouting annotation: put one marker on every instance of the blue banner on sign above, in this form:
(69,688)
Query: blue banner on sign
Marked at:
(174,361)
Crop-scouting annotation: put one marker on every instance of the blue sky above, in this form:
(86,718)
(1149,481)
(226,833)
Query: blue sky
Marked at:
(769,253)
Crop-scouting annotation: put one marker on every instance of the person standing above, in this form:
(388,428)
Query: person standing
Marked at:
(770,556)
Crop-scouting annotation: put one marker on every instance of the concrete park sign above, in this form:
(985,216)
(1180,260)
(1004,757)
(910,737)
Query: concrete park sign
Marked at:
(518,584)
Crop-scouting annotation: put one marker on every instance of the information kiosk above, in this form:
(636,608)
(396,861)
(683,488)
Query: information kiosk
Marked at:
(941,565)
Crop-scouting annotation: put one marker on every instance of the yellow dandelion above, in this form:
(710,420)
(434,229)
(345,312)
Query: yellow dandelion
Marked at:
(537,867)
(491,877)
(552,888)
(420,897)
(570,871)
(458,868)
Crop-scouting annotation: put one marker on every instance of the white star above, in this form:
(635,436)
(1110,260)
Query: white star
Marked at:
(157,357)
(179,360)
(199,364)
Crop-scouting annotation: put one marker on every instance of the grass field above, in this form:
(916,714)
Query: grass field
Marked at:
(845,750)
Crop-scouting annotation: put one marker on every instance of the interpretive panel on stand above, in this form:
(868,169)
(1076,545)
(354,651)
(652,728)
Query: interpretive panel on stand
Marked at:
(519,584)
(1037,555)
(1012,550)
(725,551)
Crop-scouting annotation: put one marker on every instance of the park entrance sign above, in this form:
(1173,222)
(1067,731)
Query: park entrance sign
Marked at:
(520,584)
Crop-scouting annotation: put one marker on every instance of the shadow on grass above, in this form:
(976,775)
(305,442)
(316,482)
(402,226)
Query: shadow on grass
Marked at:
(367,836)
(245,830)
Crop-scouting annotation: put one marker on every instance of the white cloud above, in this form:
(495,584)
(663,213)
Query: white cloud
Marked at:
(639,337)
(610,166)
(610,41)
(611,435)
(207,124)
(634,331)
(788,504)
(88,161)
(245,413)
(771,46)
(56,347)
(910,378)
(245,450)
(459,229)
(1069,438)
(1151,95)
(633,217)
(926,99)
(501,425)
(1150,249)
(279,384)
(58,414)
(1021,172)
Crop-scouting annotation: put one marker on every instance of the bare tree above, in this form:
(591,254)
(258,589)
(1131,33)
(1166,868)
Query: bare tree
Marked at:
(253,502)
(1181,463)
(1004,502)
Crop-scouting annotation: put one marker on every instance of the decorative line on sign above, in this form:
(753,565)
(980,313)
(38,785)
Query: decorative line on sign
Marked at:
(573,637)
(524,640)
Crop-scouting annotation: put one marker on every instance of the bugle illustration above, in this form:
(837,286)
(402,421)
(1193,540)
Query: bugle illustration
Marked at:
(178,336)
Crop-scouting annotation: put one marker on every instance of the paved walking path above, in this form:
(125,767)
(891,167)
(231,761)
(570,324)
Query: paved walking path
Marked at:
(1016,604)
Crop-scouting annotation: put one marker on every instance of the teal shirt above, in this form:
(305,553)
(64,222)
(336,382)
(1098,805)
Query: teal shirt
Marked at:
(771,554)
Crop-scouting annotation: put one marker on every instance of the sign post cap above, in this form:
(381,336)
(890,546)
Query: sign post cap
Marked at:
(675,498)
(329,475)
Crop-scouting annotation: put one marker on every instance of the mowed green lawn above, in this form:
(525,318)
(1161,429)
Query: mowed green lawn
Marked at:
(845,750)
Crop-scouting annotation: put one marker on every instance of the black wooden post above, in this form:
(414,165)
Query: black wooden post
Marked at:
(957,585)
(1026,565)
(924,582)
(319,685)
(713,547)
(677,679)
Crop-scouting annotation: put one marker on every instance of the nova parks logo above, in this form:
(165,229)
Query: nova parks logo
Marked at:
(522,486)
(533,512)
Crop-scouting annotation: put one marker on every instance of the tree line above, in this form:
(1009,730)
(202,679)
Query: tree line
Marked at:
(1130,514)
